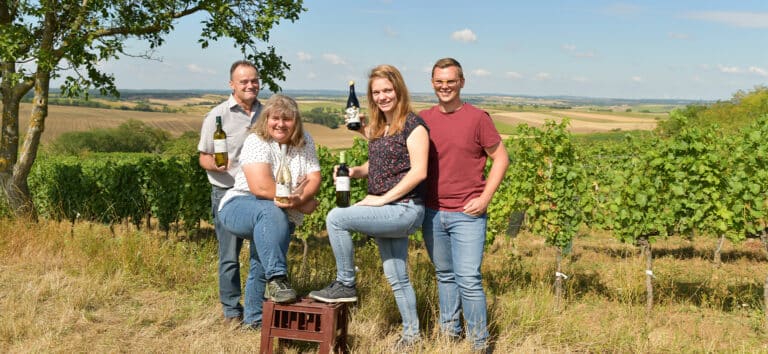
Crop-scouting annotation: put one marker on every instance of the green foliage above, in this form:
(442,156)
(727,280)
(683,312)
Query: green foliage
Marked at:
(131,136)
(739,112)
(111,188)
(329,117)
(548,181)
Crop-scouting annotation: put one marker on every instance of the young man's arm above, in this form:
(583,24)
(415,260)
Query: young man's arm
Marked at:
(500,158)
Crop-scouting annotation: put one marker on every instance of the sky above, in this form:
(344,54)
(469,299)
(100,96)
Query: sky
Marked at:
(670,49)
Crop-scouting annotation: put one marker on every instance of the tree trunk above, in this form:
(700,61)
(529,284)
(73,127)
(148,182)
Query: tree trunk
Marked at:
(718,250)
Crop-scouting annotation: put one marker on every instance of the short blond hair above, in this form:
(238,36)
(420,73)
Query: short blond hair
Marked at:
(283,106)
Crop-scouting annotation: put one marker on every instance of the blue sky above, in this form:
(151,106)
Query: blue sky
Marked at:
(645,49)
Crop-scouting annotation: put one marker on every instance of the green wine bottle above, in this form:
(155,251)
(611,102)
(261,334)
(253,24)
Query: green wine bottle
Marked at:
(220,153)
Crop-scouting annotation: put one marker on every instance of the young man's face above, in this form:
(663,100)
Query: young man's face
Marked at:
(447,84)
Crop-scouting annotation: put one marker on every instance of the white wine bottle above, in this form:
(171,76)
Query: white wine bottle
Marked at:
(353,109)
(342,182)
(283,177)
(220,154)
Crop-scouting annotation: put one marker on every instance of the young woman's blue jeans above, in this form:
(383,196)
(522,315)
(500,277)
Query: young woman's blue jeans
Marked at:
(229,263)
(455,242)
(269,231)
(390,226)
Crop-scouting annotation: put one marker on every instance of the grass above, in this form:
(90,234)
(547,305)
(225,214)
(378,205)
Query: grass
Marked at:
(83,288)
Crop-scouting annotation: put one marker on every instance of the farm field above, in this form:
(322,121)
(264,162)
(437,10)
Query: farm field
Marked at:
(62,119)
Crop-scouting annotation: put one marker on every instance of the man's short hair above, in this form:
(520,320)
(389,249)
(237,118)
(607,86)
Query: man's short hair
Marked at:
(240,63)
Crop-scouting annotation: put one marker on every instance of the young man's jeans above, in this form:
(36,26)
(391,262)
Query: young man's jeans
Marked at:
(390,226)
(269,231)
(229,263)
(455,243)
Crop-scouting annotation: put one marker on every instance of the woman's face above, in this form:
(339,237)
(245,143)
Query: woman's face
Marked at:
(281,128)
(384,95)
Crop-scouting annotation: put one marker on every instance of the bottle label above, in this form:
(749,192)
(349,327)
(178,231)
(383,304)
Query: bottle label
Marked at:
(282,190)
(219,145)
(352,114)
(342,184)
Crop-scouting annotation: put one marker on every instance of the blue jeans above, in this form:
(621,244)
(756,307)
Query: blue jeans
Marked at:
(455,243)
(269,231)
(390,226)
(229,263)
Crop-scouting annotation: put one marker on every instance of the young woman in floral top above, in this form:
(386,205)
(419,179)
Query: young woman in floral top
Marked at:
(398,150)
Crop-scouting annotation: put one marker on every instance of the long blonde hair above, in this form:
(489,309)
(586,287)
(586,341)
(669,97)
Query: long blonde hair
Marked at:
(378,122)
(283,106)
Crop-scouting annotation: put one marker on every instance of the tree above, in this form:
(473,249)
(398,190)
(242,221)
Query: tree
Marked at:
(42,40)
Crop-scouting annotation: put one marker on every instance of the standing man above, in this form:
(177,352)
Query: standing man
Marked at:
(237,114)
(461,138)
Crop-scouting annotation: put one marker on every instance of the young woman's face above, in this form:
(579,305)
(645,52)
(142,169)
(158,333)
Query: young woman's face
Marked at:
(280,127)
(384,95)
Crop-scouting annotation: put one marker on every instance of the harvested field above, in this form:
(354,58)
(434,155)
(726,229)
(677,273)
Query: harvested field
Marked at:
(581,122)
(63,119)
(68,118)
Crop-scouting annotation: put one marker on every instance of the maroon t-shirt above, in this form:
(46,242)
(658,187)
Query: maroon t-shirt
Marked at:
(457,143)
(389,161)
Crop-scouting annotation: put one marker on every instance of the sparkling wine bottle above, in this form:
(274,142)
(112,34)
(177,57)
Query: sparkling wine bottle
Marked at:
(283,177)
(220,154)
(353,109)
(342,182)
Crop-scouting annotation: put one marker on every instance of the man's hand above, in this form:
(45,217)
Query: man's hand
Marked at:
(476,206)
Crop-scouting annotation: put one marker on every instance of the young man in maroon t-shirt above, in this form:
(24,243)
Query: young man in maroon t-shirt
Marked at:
(461,138)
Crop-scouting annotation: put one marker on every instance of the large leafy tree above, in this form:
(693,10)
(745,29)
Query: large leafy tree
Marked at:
(42,40)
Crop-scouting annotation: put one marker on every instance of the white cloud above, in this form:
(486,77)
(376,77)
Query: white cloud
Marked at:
(572,50)
(389,32)
(199,70)
(334,59)
(637,79)
(738,70)
(543,76)
(729,69)
(311,76)
(304,56)
(759,71)
(737,19)
(466,35)
(513,75)
(481,72)
(680,36)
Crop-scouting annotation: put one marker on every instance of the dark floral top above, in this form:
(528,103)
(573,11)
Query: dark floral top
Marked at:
(389,161)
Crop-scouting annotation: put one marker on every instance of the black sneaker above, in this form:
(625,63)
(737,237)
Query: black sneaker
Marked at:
(278,290)
(336,292)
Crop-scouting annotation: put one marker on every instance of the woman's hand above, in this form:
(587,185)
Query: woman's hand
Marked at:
(372,200)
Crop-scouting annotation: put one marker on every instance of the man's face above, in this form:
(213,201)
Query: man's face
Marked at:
(245,84)
(447,84)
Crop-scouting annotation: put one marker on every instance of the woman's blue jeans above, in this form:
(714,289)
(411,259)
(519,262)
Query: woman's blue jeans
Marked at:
(390,226)
(269,231)
(455,242)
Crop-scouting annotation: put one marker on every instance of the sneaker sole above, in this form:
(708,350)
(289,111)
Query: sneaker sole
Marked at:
(333,301)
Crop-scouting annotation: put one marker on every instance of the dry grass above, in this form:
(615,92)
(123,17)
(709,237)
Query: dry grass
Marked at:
(85,289)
